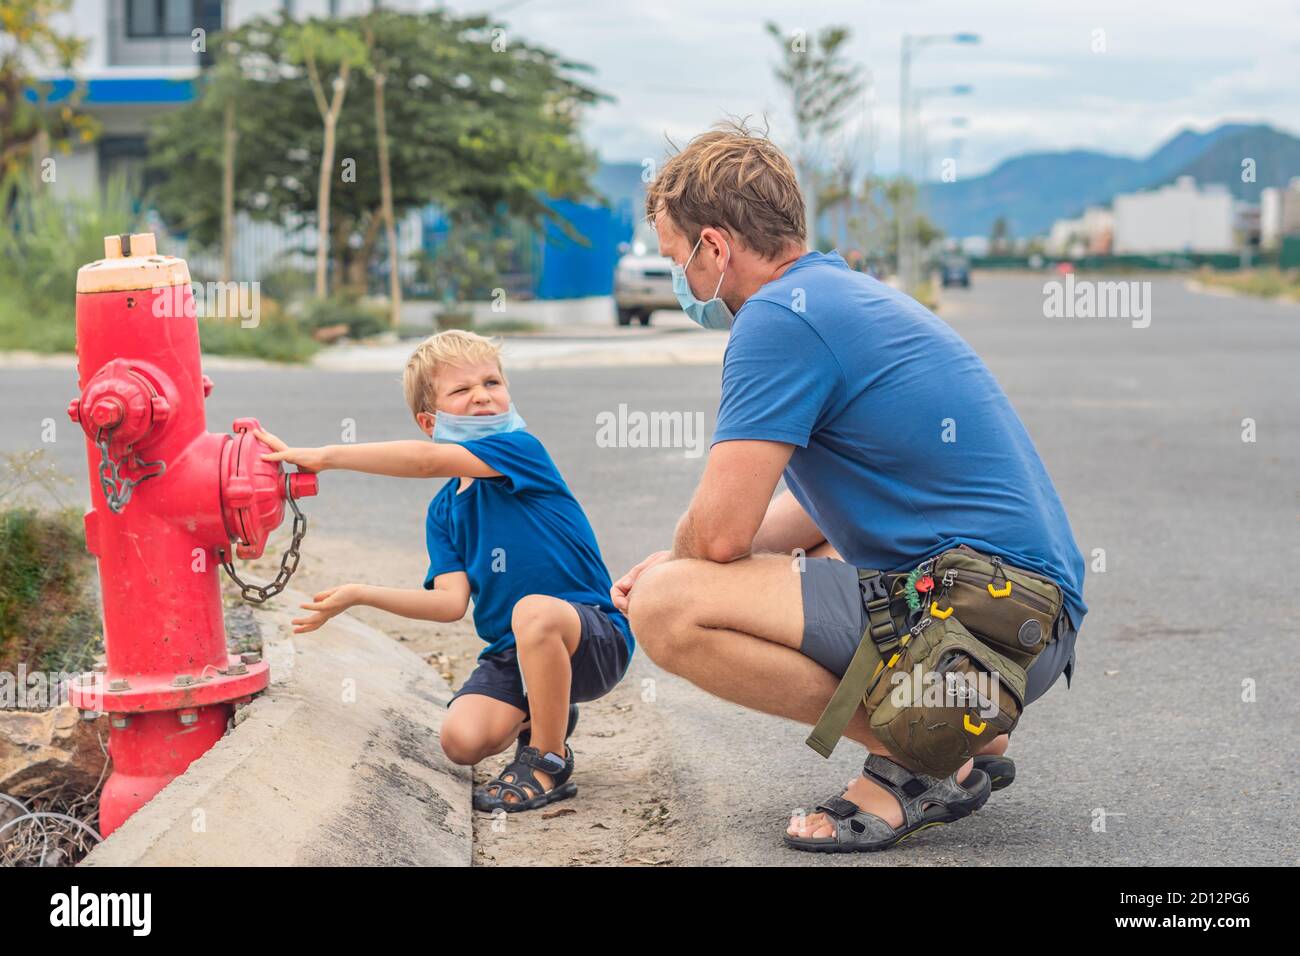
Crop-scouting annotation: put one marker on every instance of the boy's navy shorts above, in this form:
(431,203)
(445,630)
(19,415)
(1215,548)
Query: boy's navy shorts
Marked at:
(598,664)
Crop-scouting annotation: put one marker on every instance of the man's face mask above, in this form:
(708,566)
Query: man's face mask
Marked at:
(712,314)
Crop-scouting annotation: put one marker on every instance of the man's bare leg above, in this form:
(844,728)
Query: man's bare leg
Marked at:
(998,745)
(734,630)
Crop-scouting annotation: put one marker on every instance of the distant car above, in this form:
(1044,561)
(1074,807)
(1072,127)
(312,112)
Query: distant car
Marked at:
(955,271)
(643,279)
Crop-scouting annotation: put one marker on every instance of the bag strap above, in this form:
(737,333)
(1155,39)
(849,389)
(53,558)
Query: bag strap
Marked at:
(880,637)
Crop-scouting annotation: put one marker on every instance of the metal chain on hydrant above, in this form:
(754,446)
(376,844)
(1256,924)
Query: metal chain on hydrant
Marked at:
(117,489)
(260,593)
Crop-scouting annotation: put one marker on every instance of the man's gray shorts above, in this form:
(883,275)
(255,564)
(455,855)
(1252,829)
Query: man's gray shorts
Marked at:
(834,621)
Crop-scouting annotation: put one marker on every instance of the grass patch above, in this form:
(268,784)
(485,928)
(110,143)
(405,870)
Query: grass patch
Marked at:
(48,617)
(49,614)
(505,326)
(1263,283)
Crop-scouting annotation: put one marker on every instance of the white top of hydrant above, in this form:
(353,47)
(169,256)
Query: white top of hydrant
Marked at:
(132,262)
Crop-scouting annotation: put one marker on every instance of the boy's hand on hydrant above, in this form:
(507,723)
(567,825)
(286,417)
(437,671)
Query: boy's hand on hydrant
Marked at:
(325,605)
(308,459)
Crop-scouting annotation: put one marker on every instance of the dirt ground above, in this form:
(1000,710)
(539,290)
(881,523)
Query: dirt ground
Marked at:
(623,811)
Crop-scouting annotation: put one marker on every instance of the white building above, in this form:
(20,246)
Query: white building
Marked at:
(1270,217)
(1089,235)
(1175,218)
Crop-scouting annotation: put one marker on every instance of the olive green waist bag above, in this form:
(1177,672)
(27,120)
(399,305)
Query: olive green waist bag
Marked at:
(937,692)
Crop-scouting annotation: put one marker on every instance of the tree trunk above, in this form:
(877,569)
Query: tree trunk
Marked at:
(323,207)
(360,265)
(228,192)
(330,116)
(340,229)
(386,195)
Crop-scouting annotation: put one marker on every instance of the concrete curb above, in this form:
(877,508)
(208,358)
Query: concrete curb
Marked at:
(337,764)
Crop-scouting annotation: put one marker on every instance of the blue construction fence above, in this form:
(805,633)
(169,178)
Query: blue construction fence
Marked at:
(548,262)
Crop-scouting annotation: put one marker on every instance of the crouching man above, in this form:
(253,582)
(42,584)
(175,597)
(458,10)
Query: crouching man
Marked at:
(895,443)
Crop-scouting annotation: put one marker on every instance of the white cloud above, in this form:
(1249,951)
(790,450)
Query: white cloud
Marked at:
(677,66)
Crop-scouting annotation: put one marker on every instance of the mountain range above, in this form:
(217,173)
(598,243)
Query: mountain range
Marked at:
(1035,189)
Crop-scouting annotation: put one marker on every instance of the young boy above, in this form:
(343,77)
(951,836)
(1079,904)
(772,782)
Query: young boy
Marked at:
(506,531)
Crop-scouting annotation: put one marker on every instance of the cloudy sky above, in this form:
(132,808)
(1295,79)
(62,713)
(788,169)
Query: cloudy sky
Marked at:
(676,66)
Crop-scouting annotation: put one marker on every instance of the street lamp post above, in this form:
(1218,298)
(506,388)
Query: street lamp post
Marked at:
(904,214)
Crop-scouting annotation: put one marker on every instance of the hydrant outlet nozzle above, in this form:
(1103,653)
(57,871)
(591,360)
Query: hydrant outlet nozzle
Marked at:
(303,484)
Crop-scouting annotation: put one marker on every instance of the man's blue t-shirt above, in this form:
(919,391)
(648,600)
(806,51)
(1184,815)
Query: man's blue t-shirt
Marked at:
(906,444)
(522,533)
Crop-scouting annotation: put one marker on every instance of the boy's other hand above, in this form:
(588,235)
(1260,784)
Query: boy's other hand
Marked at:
(621,592)
(325,605)
(308,459)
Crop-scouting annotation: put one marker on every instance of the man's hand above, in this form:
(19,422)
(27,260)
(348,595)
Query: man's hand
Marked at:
(621,592)
(308,459)
(326,604)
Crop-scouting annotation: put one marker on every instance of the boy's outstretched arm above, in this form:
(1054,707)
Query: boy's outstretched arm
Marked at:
(447,602)
(397,459)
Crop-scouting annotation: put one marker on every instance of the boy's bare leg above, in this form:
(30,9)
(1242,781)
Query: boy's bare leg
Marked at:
(547,633)
(478,726)
(734,630)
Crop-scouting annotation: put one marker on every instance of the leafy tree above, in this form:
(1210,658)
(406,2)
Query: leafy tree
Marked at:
(30,130)
(823,88)
(999,235)
(314,45)
(879,201)
(476,125)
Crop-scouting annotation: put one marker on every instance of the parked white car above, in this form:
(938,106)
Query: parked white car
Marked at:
(643,279)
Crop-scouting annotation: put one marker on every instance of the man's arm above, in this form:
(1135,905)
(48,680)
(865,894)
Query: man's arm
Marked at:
(786,526)
(731,501)
(397,459)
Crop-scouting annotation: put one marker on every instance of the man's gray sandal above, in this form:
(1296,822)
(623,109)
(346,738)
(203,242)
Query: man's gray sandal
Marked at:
(1001,770)
(926,802)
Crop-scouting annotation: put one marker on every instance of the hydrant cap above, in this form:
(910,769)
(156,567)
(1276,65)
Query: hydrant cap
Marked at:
(131,262)
(252,490)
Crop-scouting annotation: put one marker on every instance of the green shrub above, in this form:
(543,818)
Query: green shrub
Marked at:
(287,284)
(362,320)
(277,336)
(44,242)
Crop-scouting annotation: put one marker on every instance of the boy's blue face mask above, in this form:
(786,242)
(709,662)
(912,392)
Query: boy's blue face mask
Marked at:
(454,429)
(713,314)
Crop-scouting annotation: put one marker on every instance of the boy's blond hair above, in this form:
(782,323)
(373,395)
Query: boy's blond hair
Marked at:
(453,347)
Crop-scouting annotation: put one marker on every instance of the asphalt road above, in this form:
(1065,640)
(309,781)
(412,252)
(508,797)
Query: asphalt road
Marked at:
(1141,430)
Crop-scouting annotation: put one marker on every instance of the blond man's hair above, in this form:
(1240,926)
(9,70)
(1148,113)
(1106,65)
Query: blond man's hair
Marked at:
(453,348)
(736,178)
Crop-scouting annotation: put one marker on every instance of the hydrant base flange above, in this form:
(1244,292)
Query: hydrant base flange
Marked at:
(157,693)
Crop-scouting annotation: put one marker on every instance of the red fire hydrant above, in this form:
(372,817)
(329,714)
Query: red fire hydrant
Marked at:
(168,498)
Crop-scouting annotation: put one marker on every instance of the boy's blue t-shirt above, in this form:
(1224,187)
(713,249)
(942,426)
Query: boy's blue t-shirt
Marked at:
(906,444)
(522,533)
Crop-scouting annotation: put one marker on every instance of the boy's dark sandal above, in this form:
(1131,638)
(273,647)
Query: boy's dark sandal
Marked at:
(1001,770)
(520,772)
(926,802)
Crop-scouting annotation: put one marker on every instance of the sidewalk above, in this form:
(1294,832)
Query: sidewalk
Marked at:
(561,347)
(336,764)
(672,340)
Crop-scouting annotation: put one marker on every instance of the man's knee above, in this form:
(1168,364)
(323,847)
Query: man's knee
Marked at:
(658,610)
